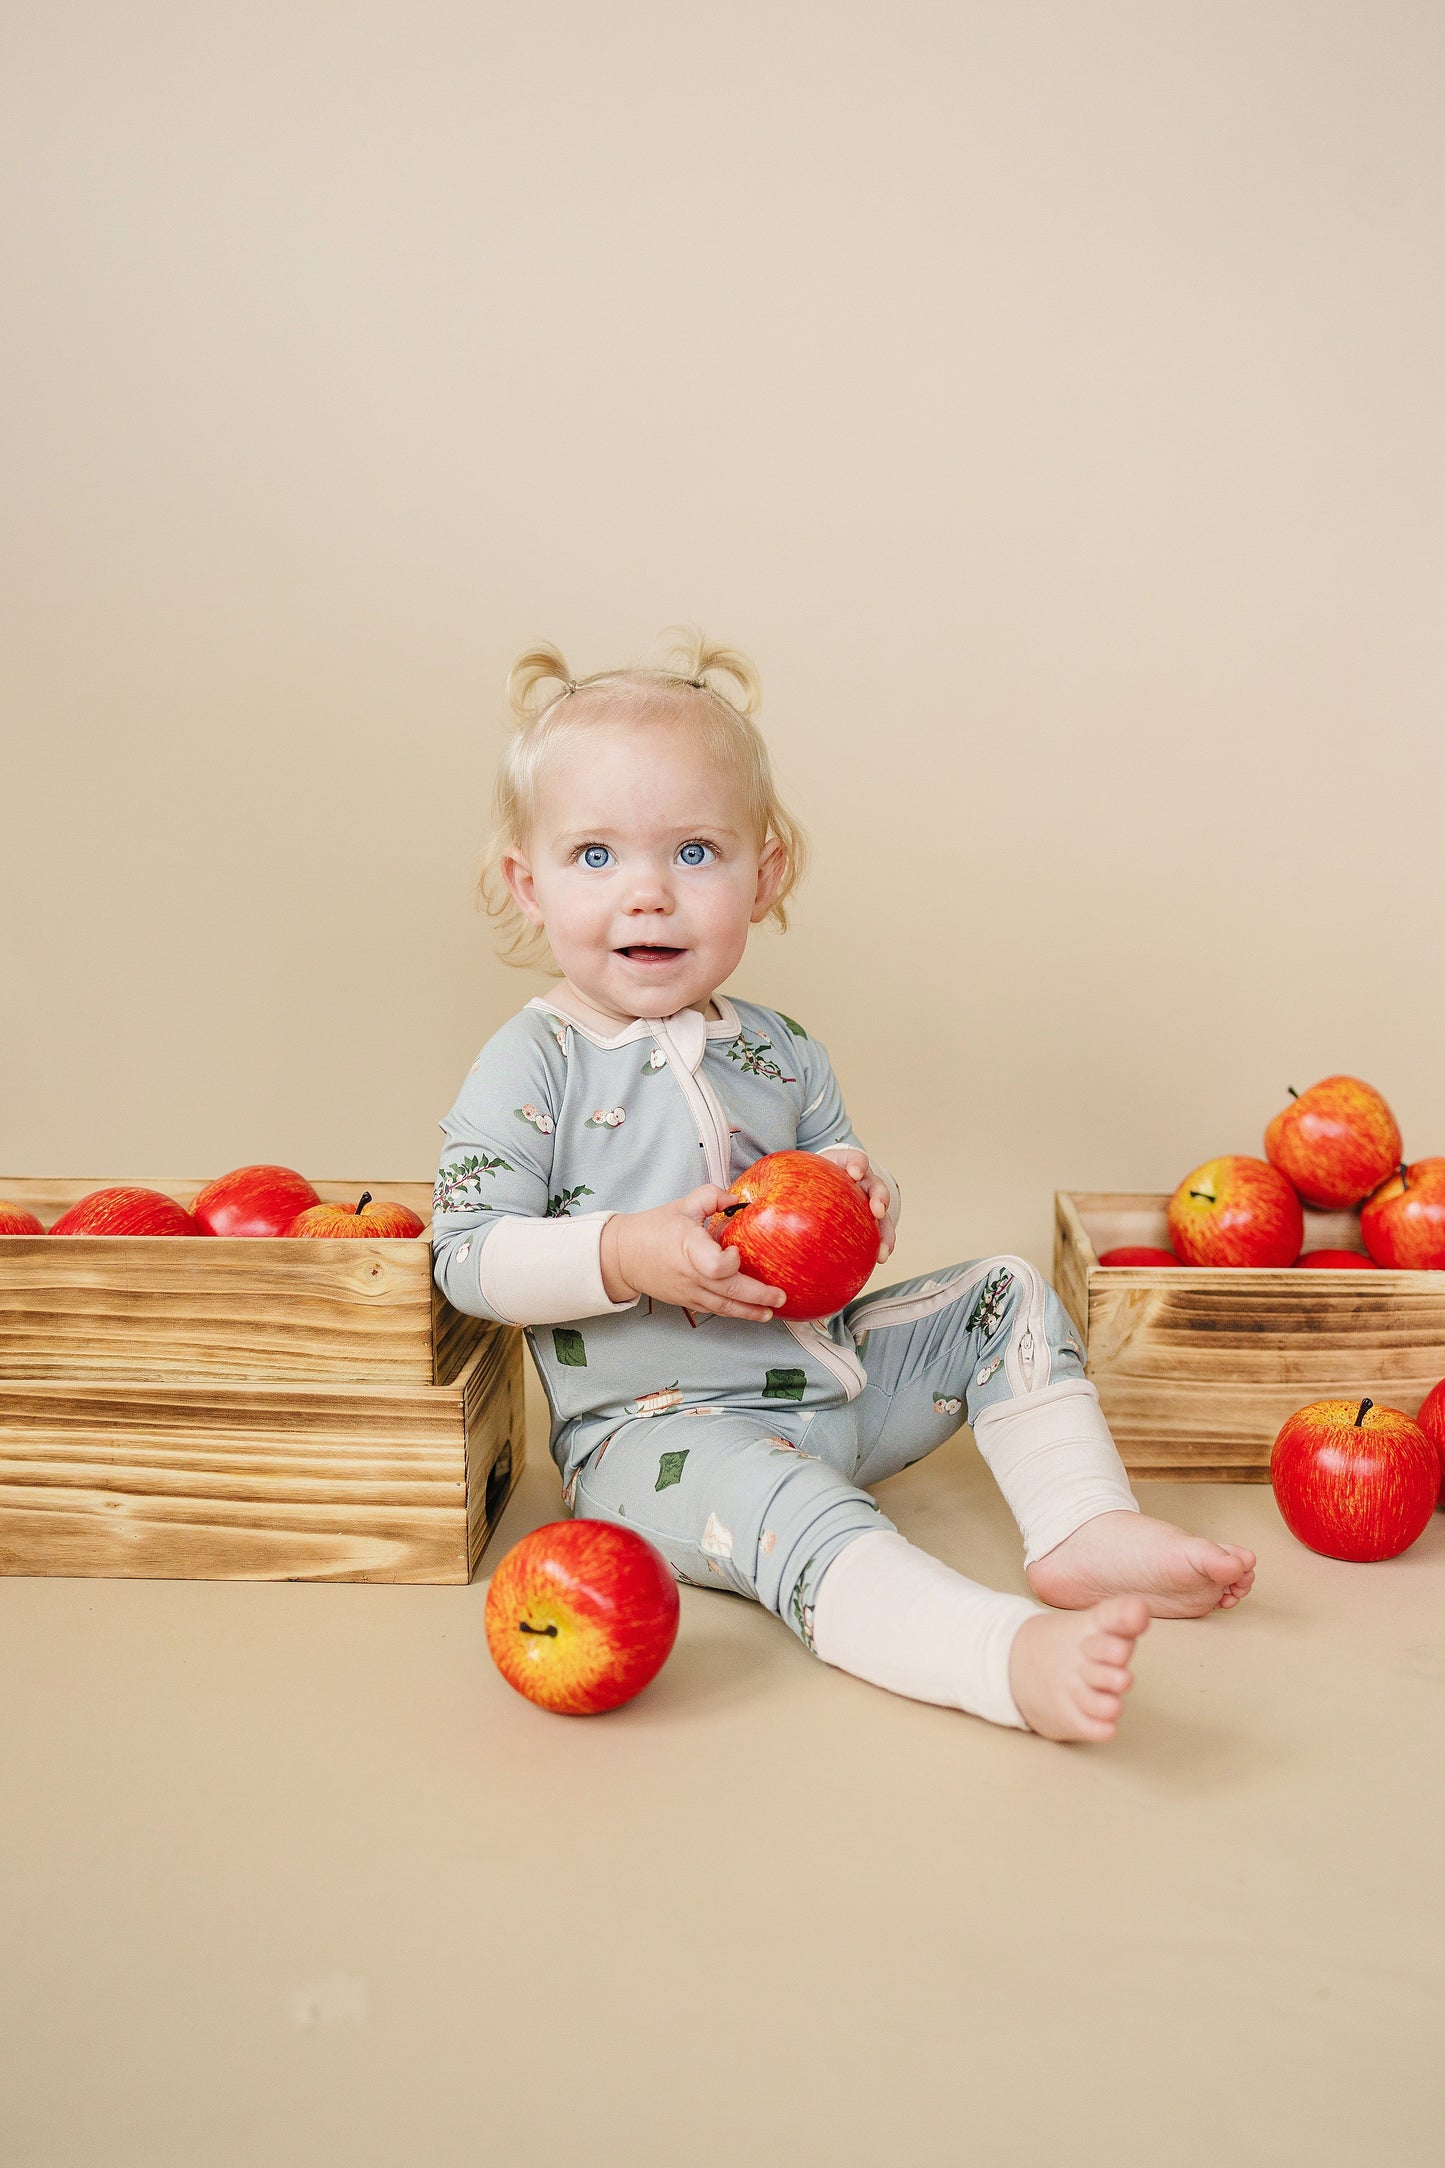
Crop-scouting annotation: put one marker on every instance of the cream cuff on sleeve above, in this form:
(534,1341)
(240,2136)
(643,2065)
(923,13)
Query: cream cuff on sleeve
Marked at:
(895,1199)
(546,1271)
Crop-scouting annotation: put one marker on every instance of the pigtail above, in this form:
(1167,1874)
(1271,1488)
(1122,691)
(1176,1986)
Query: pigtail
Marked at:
(698,660)
(541,665)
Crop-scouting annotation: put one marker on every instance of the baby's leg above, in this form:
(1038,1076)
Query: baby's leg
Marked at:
(733,1506)
(991,1341)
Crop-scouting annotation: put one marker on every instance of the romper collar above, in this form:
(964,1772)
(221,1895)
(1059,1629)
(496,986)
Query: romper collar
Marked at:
(686,1031)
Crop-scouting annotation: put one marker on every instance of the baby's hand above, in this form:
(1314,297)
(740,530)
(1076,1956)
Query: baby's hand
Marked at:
(875,1189)
(668,1253)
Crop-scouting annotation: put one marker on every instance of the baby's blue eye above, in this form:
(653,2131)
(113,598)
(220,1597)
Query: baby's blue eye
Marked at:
(704,854)
(595,856)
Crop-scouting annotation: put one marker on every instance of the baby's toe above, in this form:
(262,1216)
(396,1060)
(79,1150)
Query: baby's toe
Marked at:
(1113,1678)
(1213,1562)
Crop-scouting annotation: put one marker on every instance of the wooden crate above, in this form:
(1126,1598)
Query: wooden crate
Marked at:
(1198,1368)
(211,1408)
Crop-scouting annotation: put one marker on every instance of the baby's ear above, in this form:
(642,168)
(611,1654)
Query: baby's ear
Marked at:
(517,873)
(772,864)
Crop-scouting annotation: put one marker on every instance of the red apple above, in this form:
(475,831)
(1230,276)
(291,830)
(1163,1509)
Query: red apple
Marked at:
(1236,1211)
(1138,1253)
(1336,1142)
(803,1225)
(1432,1421)
(17,1219)
(580,1615)
(124,1211)
(1354,1481)
(259,1200)
(1404,1222)
(1337,1261)
(359,1222)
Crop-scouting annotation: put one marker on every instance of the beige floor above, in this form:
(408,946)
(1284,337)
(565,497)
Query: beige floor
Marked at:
(289,1875)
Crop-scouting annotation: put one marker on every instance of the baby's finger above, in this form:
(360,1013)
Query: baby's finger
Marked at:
(742,1289)
(723,1305)
(709,1259)
(706,1199)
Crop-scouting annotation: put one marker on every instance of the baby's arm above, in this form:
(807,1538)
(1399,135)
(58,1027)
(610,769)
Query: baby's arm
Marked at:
(505,1244)
(510,1244)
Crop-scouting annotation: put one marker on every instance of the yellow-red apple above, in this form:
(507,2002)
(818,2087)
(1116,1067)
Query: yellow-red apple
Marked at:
(1404,1222)
(1236,1211)
(581,1615)
(1336,1142)
(358,1222)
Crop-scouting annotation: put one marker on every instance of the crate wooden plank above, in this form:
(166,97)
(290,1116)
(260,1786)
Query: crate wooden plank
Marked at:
(1198,1368)
(259,1480)
(493,1403)
(187,1306)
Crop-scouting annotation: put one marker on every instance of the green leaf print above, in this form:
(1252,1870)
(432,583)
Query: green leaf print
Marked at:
(560,1206)
(570,1346)
(454,1181)
(785,1385)
(669,1469)
(754,1056)
(795,1028)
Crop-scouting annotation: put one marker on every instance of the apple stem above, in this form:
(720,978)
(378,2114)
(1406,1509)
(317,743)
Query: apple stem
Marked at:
(1404,1175)
(524,1628)
(1292,1092)
(729,1209)
(365,1201)
(1364,1405)
(1203,1195)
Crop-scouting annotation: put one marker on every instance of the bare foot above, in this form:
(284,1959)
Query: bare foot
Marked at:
(1068,1673)
(1178,1575)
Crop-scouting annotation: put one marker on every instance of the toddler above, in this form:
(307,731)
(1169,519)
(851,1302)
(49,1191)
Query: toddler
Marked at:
(639,836)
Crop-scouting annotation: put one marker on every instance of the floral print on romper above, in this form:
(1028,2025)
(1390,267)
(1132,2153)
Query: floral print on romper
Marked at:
(755,1058)
(452,1183)
(987,1313)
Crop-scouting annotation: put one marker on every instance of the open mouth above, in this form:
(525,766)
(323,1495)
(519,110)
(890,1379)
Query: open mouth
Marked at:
(643,952)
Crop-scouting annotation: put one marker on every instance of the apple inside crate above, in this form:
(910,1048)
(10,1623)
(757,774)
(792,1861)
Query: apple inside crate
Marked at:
(1198,1366)
(215,1407)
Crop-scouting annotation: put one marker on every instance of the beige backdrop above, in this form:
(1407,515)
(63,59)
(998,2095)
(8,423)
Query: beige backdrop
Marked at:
(1047,396)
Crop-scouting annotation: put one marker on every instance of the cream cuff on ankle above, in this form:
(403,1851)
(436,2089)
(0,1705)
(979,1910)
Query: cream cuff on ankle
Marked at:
(900,1618)
(1053,1458)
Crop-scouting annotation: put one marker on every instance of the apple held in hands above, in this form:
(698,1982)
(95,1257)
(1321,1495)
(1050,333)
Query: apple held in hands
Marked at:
(1336,1142)
(260,1200)
(581,1615)
(1354,1481)
(800,1223)
(357,1223)
(1236,1211)
(1404,1222)
(125,1211)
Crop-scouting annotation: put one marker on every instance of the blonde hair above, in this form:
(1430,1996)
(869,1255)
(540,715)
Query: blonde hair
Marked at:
(723,722)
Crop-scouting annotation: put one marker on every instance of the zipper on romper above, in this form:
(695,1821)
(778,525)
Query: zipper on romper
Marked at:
(1029,1341)
(812,1336)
